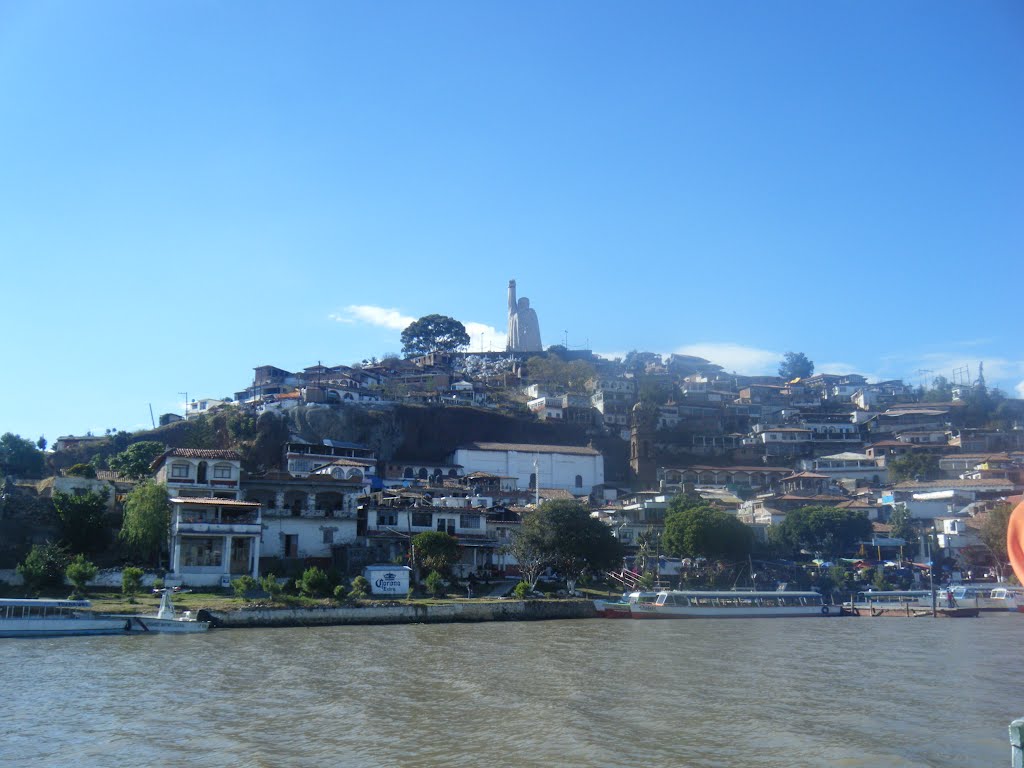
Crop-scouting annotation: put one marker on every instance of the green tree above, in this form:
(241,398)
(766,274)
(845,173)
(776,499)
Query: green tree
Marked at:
(80,572)
(272,587)
(315,582)
(528,547)
(902,527)
(574,541)
(434,333)
(914,466)
(700,530)
(134,461)
(82,519)
(147,520)
(20,457)
(436,550)
(360,588)
(41,443)
(243,585)
(81,470)
(434,583)
(131,582)
(941,391)
(993,531)
(821,530)
(43,567)
(795,365)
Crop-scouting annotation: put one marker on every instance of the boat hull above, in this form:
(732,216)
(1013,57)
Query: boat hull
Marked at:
(683,612)
(63,627)
(144,624)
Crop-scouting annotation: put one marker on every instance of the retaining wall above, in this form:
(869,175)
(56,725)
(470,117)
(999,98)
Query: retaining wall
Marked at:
(511,610)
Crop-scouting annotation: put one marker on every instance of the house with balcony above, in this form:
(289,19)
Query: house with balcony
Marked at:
(351,461)
(213,540)
(199,472)
(848,465)
(305,518)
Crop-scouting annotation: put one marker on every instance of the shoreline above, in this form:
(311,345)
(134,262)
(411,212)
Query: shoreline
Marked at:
(455,613)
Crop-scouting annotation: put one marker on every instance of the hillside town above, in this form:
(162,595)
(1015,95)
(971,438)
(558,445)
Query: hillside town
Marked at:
(274,478)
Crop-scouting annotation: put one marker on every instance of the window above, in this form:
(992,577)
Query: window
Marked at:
(291,545)
(201,552)
(469,521)
(179,470)
(387,518)
(579,481)
(328,535)
(422,519)
(222,471)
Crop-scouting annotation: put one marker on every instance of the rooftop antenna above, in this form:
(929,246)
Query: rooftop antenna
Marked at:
(151,419)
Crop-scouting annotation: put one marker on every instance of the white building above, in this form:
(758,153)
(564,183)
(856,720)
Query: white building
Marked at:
(213,541)
(199,472)
(576,469)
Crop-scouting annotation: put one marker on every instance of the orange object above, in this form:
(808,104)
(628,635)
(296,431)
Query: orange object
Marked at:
(1015,541)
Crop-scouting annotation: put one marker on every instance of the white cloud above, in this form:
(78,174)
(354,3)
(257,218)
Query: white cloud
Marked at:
(382,317)
(485,337)
(750,361)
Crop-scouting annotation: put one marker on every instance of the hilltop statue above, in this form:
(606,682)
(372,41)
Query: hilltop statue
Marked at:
(523,328)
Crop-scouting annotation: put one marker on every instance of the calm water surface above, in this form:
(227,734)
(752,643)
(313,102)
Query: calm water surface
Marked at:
(777,692)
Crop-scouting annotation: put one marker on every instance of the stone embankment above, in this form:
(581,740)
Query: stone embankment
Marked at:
(505,610)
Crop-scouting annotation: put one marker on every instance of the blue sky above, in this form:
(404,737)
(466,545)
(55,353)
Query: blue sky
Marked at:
(192,189)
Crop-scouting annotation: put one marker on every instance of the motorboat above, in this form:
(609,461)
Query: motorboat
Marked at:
(620,608)
(166,619)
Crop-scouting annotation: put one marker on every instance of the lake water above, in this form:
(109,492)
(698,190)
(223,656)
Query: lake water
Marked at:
(777,692)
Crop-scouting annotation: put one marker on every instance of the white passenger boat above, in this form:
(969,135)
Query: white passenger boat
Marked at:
(695,604)
(35,617)
(988,597)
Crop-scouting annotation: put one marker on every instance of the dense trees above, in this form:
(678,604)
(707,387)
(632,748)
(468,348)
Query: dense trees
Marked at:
(914,466)
(43,567)
(134,461)
(553,372)
(694,529)
(82,519)
(993,536)
(562,535)
(435,550)
(147,520)
(795,365)
(821,530)
(20,457)
(434,333)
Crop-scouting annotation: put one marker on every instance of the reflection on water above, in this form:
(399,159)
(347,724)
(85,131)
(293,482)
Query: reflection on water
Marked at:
(775,692)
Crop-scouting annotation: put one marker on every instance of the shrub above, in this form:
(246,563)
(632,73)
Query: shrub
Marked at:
(131,582)
(158,583)
(44,567)
(341,592)
(244,585)
(521,590)
(79,572)
(271,587)
(434,583)
(314,583)
(360,588)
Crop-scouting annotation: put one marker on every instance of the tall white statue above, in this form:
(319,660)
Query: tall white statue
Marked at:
(523,328)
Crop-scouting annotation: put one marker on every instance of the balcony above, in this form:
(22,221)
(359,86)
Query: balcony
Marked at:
(247,524)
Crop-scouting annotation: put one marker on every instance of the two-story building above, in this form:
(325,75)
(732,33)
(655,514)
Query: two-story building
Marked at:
(576,469)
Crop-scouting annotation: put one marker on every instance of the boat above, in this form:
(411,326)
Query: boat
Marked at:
(986,597)
(908,603)
(620,608)
(733,604)
(39,617)
(166,619)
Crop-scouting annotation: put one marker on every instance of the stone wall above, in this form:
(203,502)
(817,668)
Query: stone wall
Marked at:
(511,610)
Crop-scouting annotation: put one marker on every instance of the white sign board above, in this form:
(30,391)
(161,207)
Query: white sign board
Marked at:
(388,579)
